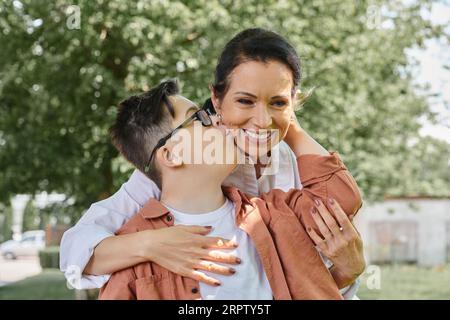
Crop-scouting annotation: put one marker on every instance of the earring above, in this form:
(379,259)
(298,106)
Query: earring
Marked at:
(220,118)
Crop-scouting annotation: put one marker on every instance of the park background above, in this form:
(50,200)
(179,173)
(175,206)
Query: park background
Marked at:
(381,72)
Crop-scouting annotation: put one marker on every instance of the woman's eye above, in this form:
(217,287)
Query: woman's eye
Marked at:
(279,103)
(245,101)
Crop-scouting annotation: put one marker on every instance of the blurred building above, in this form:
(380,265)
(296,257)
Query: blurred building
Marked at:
(406,230)
(18,203)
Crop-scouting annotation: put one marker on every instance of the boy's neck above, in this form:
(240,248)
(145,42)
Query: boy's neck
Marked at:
(193,196)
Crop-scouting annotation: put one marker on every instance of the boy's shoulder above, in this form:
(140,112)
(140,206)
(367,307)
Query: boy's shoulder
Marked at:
(148,217)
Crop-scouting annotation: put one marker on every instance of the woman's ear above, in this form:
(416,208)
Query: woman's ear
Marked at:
(169,159)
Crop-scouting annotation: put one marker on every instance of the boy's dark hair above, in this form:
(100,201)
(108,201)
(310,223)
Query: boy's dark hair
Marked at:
(141,122)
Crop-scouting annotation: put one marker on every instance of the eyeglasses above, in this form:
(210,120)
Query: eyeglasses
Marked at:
(201,115)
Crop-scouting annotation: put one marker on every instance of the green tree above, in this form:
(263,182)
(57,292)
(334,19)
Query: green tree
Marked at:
(5,222)
(59,84)
(31,217)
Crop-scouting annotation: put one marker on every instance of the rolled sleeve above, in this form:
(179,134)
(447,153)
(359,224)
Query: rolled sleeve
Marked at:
(77,248)
(101,221)
(315,167)
(324,177)
(349,293)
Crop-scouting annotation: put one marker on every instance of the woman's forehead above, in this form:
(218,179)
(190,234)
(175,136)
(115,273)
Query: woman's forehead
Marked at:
(262,77)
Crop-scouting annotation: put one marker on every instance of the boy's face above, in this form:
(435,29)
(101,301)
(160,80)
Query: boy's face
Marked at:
(183,109)
(200,150)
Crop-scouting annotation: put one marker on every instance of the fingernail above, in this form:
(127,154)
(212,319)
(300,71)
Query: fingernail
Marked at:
(209,227)
(317,202)
(235,245)
(232,271)
(331,201)
(313,210)
(238,260)
(309,229)
(217,283)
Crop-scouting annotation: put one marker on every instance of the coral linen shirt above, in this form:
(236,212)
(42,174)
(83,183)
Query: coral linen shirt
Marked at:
(276,222)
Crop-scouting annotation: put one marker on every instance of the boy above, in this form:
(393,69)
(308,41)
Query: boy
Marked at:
(279,259)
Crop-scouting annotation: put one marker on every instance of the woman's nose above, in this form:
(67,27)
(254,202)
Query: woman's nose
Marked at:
(262,118)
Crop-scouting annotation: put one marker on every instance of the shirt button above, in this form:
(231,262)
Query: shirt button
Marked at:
(169,218)
(194,290)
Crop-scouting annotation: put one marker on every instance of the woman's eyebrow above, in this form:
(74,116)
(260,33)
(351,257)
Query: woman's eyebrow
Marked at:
(246,93)
(253,96)
(280,96)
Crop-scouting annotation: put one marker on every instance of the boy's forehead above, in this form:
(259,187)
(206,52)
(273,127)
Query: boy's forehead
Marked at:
(183,108)
(181,103)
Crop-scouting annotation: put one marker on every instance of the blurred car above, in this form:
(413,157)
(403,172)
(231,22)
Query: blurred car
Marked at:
(29,245)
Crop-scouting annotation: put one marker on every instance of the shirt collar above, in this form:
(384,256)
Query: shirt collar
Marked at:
(239,199)
(153,209)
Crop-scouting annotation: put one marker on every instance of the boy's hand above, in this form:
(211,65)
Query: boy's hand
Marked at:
(185,250)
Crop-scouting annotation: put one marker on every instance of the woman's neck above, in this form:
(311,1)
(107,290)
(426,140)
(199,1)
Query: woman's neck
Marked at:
(259,166)
(258,169)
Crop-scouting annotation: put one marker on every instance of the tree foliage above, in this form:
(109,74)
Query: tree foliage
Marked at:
(59,84)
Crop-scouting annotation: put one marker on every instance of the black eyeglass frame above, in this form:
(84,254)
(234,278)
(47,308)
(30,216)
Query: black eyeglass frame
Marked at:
(201,115)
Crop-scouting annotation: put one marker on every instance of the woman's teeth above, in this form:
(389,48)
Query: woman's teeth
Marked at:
(258,135)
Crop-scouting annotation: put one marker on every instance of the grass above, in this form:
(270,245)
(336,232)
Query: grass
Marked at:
(396,282)
(407,282)
(48,285)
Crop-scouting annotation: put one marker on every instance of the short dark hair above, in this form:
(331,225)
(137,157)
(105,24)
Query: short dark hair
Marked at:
(141,122)
(259,45)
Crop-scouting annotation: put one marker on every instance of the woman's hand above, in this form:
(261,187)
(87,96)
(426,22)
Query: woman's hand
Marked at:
(185,250)
(340,242)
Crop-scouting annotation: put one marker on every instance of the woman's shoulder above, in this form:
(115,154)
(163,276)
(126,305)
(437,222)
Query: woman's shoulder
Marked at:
(284,147)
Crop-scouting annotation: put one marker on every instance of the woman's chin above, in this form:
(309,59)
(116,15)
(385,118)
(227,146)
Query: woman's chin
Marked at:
(255,152)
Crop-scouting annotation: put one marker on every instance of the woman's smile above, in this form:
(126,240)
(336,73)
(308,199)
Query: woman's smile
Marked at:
(257,136)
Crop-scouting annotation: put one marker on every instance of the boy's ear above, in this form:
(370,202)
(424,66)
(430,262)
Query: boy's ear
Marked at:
(169,159)
(215,100)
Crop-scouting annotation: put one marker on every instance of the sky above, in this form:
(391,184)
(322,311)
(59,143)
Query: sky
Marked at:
(431,70)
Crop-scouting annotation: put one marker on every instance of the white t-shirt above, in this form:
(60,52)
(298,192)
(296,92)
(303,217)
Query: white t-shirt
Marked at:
(250,281)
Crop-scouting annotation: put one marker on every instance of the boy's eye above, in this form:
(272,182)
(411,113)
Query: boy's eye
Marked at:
(245,101)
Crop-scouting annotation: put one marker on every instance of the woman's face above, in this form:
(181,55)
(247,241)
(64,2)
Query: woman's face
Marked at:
(259,102)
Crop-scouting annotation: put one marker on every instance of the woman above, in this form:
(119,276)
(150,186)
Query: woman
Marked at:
(255,87)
